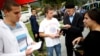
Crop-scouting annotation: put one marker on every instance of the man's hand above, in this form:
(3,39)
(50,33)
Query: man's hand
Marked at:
(57,35)
(77,40)
(52,35)
(67,26)
(29,52)
(36,35)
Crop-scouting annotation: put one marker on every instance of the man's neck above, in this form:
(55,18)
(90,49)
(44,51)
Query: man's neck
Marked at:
(48,18)
(12,24)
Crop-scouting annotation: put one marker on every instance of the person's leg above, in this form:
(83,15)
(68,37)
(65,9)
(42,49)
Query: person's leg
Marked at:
(49,51)
(41,48)
(69,49)
(58,49)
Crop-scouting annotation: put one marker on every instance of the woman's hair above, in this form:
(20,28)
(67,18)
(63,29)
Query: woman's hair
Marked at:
(94,14)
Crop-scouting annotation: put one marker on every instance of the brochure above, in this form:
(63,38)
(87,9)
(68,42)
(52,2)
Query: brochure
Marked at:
(35,46)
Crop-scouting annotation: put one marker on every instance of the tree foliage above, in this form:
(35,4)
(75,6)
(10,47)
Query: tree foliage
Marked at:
(58,3)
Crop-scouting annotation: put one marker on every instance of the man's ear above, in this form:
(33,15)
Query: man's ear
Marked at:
(5,11)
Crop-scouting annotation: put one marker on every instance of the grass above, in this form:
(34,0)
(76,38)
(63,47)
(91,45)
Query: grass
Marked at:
(31,34)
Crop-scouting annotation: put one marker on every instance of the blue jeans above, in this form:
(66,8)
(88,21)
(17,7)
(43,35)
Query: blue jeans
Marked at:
(57,50)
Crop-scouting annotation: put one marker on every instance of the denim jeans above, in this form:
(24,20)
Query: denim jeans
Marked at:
(57,49)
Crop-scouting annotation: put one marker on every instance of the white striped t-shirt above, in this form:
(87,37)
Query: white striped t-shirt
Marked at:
(21,36)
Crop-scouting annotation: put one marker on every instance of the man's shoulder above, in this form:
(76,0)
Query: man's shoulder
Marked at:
(79,14)
(21,23)
(32,16)
(3,26)
(1,20)
(43,21)
(1,23)
(54,18)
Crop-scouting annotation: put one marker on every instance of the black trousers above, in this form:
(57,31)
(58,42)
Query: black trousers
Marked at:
(69,47)
(37,39)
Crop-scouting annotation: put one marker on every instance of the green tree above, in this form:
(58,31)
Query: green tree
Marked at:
(57,3)
(77,2)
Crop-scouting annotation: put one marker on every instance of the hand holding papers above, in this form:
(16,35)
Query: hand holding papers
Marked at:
(67,26)
(35,46)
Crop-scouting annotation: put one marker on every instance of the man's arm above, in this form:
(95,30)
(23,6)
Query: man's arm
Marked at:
(42,34)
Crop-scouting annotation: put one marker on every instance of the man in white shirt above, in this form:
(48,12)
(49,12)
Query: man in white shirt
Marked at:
(49,29)
(14,36)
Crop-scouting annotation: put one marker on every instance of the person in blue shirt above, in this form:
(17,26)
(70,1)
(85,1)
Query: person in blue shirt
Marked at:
(35,28)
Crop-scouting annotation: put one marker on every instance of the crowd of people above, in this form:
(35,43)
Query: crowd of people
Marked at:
(15,39)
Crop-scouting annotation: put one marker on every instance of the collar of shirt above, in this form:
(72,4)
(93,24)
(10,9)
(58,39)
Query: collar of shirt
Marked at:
(71,17)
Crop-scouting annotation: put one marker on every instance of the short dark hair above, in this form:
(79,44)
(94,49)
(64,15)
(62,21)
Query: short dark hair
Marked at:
(94,14)
(48,7)
(32,9)
(69,5)
(7,5)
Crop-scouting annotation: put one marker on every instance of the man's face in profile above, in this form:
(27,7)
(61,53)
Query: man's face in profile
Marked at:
(14,14)
(70,11)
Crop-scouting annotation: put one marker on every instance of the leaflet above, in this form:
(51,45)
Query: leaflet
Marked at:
(35,46)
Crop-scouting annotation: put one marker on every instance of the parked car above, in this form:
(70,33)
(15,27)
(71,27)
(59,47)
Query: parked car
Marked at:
(25,15)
